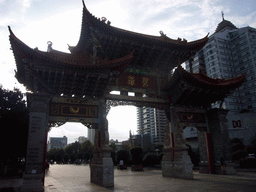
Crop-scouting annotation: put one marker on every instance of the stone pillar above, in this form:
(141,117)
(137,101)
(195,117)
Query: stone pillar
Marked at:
(218,129)
(176,161)
(205,152)
(102,169)
(33,177)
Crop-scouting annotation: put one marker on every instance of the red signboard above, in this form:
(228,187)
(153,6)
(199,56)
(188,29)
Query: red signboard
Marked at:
(138,81)
(236,123)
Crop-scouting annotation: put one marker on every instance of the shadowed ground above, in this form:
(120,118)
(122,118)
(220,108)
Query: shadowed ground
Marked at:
(76,178)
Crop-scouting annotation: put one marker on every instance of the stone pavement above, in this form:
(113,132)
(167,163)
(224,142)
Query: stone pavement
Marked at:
(76,178)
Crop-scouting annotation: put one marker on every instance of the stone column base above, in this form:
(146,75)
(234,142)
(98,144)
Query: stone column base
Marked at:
(102,173)
(32,183)
(177,169)
(204,167)
(230,170)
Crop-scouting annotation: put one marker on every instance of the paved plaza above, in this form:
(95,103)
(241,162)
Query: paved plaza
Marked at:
(76,178)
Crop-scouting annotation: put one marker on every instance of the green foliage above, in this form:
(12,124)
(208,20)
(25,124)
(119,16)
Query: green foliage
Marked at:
(248,163)
(73,152)
(239,154)
(14,123)
(113,156)
(137,155)
(238,151)
(126,147)
(65,158)
(12,100)
(113,147)
(87,146)
(150,160)
(253,140)
(73,148)
(73,157)
(194,155)
(123,155)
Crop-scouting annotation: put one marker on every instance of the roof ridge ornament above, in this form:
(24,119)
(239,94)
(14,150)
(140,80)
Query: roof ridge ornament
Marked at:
(49,49)
(222,14)
(162,33)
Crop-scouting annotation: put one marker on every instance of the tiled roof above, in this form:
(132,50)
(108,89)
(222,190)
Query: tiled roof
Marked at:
(84,60)
(199,90)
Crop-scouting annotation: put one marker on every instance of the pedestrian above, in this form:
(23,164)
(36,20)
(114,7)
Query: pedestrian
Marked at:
(223,165)
(121,163)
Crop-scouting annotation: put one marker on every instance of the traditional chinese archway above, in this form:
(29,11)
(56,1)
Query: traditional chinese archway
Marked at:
(76,87)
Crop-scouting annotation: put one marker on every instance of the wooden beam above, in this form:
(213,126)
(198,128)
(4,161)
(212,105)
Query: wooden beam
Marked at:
(137,99)
(73,82)
(96,85)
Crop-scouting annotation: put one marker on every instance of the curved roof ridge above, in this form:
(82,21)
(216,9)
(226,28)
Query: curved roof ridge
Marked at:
(93,21)
(67,58)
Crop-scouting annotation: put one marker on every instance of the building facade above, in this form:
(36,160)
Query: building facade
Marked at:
(151,121)
(231,52)
(91,135)
(58,142)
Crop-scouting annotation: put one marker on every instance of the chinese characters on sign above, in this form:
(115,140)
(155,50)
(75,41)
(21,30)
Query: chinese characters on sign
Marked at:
(138,81)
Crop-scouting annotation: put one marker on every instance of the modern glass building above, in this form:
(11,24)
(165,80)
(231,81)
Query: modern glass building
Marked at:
(151,121)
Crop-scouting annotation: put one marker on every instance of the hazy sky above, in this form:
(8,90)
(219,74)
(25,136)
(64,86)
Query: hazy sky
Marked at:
(37,21)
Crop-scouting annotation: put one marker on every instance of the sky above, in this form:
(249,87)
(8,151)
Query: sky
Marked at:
(35,22)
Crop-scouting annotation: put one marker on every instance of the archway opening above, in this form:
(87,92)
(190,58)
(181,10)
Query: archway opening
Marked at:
(190,134)
(69,144)
(122,120)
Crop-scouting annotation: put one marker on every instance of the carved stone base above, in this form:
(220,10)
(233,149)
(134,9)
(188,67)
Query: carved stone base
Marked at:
(180,168)
(32,182)
(204,167)
(177,170)
(229,169)
(103,173)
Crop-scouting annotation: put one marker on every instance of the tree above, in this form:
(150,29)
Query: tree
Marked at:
(87,146)
(137,155)
(123,155)
(151,160)
(253,140)
(113,147)
(65,158)
(73,148)
(238,150)
(14,123)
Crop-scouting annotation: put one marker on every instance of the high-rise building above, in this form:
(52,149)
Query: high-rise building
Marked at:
(231,52)
(151,121)
(58,142)
(91,135)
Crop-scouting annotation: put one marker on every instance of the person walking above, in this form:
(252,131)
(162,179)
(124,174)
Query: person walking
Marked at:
(121,163)
(223,165)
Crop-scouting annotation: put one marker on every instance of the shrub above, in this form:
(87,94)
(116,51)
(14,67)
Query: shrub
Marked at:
(137,155)
(150,160)
(248,163)
(237,155)
(123,155)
